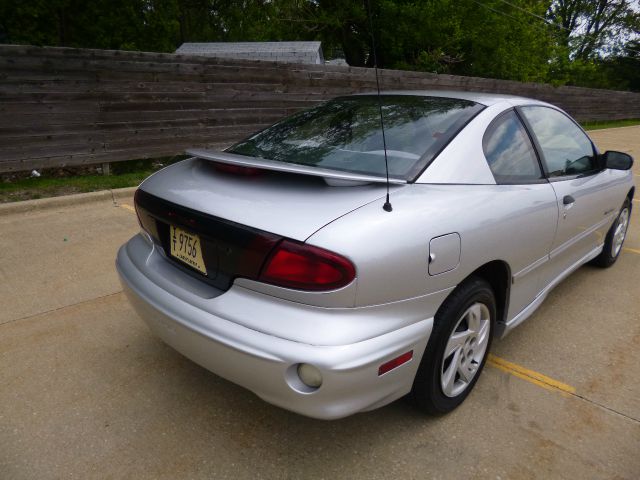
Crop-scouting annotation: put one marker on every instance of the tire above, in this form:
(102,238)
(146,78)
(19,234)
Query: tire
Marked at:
(615,238)
(439,386)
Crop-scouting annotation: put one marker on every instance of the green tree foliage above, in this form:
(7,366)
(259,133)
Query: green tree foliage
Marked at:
(107,24)
(588,28)
(505,42)
(580,42)
(592,40)
(623,69)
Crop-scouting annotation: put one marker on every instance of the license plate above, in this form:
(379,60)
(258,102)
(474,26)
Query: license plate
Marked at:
(187,248)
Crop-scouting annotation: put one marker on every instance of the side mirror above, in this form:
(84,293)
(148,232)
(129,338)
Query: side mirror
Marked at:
(617,160)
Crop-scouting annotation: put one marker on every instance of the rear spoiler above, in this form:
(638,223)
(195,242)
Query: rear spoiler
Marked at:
(332,177)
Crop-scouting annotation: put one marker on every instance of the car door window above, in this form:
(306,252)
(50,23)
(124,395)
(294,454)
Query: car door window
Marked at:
(509,151)
(566,148)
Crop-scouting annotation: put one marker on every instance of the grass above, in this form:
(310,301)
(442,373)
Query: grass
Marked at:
(599,125)
(31,188)
(56,182)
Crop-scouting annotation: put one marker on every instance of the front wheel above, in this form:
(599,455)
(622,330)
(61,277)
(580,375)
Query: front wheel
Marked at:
(615,237)
(457,349)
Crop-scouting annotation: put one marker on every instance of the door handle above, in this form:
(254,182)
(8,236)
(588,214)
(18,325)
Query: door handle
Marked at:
(568,200)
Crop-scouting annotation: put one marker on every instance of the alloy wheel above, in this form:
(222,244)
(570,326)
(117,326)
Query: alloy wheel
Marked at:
(465,349)
(620,232)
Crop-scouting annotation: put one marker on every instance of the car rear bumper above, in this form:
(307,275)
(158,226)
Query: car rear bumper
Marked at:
(267,364)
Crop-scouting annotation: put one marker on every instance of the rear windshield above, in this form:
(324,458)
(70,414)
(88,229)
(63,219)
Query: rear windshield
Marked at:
(344,134)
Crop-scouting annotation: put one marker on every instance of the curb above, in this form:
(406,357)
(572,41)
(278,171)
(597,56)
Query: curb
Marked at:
(66,200)
(122,192)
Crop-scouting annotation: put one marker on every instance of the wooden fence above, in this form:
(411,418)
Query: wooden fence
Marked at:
(62,106)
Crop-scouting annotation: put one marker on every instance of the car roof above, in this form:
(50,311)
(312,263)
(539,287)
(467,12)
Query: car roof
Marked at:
(484,98)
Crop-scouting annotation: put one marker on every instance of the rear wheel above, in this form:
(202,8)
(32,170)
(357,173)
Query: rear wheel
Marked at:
(615,238)
(457,349)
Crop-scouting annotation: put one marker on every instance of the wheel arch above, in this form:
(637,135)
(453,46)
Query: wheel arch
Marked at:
(497,273)
(427,391)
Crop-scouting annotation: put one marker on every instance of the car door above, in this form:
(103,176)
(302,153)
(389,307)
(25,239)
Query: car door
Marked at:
(570,163)
(516,168)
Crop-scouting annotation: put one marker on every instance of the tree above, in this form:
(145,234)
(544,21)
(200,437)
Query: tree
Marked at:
(505,40)
(581,42)
(591,28)
(108,24)
(623,69)
(443,36)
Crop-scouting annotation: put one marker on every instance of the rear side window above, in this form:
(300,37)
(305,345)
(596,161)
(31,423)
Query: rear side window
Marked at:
(566,148)
(509,151)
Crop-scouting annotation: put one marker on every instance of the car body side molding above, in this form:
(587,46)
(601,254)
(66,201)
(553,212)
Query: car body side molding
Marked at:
(525,313)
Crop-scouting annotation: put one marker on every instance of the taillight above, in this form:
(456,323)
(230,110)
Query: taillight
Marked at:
(146,221)
(305,267)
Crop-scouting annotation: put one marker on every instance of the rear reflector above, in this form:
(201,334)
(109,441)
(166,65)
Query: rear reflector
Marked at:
(395,363)
(305,267)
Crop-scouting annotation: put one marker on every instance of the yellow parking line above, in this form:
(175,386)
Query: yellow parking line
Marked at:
(127,207)
(529,375)
(632,250)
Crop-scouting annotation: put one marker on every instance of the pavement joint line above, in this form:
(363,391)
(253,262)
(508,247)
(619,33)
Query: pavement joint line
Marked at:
(516,370)
(547,383)
(608,409)
(60,308)
(499,363)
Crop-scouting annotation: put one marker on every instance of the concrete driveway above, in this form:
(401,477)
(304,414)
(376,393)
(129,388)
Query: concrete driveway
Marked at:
(87,392)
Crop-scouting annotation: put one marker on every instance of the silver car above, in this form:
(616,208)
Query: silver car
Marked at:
(290,265)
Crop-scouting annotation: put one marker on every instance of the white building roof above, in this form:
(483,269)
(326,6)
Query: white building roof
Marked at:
(289,52)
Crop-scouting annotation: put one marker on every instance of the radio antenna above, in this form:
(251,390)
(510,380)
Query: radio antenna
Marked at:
(387,204)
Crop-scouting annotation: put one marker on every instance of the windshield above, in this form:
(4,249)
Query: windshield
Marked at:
(344,134)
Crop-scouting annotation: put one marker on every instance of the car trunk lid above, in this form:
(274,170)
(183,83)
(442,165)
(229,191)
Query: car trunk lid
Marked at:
(240,218)
(287,204)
